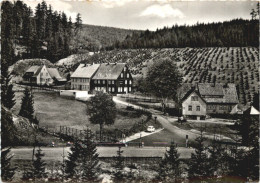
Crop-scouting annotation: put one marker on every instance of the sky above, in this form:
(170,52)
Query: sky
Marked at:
(150,14)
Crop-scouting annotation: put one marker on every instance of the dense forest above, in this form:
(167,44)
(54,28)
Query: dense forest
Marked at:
(234,33)
(45,33)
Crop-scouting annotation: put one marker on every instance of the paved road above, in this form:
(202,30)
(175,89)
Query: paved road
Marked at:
(55,153)
(179,133)
(165,122)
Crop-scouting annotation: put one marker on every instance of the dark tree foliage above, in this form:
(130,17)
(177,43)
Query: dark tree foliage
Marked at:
(163,79)
(27,109)
(7,172)
(102,110)
(246,163)
(39,165)
(198,166)
(73,160)
(8,130)
(7,93)
(256,101)
(170,168)
(218,161)
(90,162)
(234,33)
(46,34)
(119,165)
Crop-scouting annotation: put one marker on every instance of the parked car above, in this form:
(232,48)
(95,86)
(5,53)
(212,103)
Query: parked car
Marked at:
(150,129)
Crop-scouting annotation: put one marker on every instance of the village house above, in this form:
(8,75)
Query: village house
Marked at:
(80,79)
(41,75)
(112,78)
(209,98)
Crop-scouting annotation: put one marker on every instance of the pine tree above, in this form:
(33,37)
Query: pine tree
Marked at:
(78,23)
(7,93)
(119,165)
(198,164)
(27,109)
(9,100)
(218,160)
(7,172)
(90,162)
(170,169)
(39,165)
(72,162)
(9,134)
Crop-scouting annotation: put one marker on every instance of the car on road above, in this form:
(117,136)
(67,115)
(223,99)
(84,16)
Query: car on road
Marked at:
(150,129)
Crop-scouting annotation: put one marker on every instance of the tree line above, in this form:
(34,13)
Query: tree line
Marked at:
(43,34)
(234,33)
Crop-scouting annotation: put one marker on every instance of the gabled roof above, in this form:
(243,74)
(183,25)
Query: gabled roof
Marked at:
(54,73)
(33,68)
(190,93)
(210,89)
(229,94)
(109,71)
(36,69)
(85,70)
(218,93)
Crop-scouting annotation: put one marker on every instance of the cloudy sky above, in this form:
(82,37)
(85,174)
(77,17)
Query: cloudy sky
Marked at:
(150,14)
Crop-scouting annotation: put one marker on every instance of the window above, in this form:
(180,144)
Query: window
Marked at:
(127,75)
(113,82)
(190,108)
(109,82)
(104,81)
(113,89)
(129,89)
(98,81)
(130,82)
(95,81)
(126,82)
(194,98)
(198,108)
(124,68)
(109,89)
(221,107)
(122,75)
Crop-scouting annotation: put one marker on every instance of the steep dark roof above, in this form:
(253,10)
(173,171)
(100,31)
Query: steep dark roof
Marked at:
(109,71)
(185,90)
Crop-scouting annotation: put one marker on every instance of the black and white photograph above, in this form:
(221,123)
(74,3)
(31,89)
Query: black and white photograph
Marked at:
(130,91)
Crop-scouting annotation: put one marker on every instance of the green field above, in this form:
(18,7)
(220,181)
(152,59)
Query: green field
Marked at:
(55,111)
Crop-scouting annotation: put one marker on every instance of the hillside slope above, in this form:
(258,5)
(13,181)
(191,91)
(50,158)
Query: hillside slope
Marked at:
(234,65)
(93,37)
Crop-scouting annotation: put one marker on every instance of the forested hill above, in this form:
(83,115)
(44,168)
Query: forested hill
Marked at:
(234,33)
(95,38)
(46,33)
